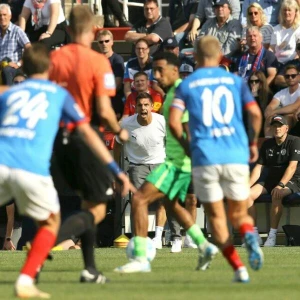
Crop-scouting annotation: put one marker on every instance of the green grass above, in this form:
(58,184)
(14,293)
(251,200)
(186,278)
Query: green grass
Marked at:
(173,277)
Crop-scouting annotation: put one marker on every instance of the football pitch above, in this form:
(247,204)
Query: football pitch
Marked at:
(173,276)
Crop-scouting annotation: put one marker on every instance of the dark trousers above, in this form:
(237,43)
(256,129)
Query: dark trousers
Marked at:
(8,74)
(59,35)
(112,7)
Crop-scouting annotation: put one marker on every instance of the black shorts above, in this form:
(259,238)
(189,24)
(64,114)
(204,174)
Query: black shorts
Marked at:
(293,185)
(82,169)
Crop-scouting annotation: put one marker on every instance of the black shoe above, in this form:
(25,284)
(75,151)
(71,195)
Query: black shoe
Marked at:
(109,21)
(123,22)
(86,276)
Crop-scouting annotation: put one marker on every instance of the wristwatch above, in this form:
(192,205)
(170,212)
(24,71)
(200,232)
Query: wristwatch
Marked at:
(18,64)
(281,184)
(8,239)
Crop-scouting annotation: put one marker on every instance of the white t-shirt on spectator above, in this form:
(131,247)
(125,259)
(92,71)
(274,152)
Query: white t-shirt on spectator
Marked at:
(285,98)
(146,144)
(285,40)
(46,11)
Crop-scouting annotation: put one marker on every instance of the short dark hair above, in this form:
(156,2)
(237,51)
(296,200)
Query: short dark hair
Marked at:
(140,73)
(142,40)
(171,58)
(149,1)
(144,95)
(291,67)
(36,59)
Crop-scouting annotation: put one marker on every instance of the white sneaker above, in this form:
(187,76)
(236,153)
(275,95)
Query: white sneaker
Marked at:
(241,275)
(206,256)
(30,291)
(271,241)
(189,243)
(137,265)
(259,239)
(157,242)
(176,246)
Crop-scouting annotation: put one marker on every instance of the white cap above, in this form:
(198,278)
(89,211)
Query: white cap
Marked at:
(185,68)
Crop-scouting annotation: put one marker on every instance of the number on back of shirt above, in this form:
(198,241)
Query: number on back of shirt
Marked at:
(212,109)
(22,106)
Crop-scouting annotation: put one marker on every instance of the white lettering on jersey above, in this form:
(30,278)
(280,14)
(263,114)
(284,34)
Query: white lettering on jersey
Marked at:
(21,105)
(212,110)
(211,81)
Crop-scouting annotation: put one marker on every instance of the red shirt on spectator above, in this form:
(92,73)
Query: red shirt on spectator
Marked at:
(129,107)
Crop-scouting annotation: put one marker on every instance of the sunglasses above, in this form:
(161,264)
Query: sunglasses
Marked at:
(105,41)
(254,81)
(293,76)
(253,13)
(17,81)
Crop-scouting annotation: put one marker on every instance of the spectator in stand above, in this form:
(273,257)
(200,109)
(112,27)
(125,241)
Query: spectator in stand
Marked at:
(271,10)
(185,70)
(16,8)
(277,173)
(141,85)
(153,28)
(256,17)
(283,98)
(142,62)
(50,25)
(256,57)
(227,30)
(287,32)
(170,44)
(111,9)
(19,77)
(10,227)
(106,40)
(260,90)
(205,11)
(13,41)
(280,81)
(181,14)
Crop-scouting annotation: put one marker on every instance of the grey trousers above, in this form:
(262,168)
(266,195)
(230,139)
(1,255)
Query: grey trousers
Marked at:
(137,174)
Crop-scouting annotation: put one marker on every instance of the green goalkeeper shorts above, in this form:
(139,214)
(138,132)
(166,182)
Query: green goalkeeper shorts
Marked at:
(170,180)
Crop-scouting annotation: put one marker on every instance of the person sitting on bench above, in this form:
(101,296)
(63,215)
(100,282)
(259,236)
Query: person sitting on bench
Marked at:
(277,172)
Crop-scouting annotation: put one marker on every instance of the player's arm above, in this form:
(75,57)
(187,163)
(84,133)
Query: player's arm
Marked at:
(108,115)
(92,139)
(10,211)
(177,128)
(255,174)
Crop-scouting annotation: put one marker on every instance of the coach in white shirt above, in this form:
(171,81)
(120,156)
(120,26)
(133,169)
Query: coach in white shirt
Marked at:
(284,97)
(145,148)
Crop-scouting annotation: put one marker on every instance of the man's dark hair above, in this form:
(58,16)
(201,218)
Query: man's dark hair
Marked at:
(144,95)
(149,1)
(171,58)
(36,59)
(291,67)
(140,73)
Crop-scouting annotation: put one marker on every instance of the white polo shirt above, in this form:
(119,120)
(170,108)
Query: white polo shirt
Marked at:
(146,144)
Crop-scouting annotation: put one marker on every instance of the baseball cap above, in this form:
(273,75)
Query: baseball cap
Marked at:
(185,68)
(170,42)
(221,2)
(279,119)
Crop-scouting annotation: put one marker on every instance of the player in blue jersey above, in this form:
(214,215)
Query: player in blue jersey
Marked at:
(215,100)
(29,117)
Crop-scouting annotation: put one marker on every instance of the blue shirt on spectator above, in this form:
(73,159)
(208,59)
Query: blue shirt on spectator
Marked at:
(12,43)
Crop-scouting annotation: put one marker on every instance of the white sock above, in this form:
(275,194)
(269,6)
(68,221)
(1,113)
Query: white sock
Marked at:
(273,231)
(24,280)
(158,232)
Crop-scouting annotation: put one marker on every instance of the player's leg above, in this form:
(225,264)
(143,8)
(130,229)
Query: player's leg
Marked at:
(37,198)
(255,191)
(236,189)
(191,206)
(146,195)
